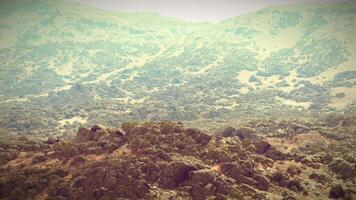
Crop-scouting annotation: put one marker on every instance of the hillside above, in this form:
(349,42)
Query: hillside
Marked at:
(65,65)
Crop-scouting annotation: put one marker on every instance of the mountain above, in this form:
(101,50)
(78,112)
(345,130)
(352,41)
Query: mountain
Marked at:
(64,64)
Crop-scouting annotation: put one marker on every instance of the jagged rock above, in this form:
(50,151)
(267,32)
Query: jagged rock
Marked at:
(51,141)
(139,144)
(217,155)
(163,155)
(266,162)
(279,177)
(261,146)
(283,181)
(274,154)
(79,181)
(198,136)
(83,135)
(262,182)
(152,138)
(246,133)
(174,173)
(199,192)
(95,128)
(39,158)
(96,135)
(152,171)
(336,191)
(295,186)
(203,176)
(203,138)
(110,147)
(227,131)
(118,133)
(235,170)
(221,187)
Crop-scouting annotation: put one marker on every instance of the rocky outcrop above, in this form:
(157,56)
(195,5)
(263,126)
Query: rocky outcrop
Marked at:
(165,160)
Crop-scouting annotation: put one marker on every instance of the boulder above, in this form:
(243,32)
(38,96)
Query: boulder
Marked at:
(235,170)
(83,135)
(175,173)
(110,147)
(199,192)
(79,181)
(95,128)
(261,146)
(227,131)
(203,176)
(336,191)
(262,182)
(39,158)
(246,133)
(51,141)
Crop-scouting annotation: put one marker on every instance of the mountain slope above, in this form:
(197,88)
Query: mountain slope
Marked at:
(64,64)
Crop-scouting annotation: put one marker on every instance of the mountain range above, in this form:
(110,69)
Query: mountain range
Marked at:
(64,64)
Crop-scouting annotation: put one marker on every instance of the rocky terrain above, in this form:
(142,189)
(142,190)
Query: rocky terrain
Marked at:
(259,159)
(271,97)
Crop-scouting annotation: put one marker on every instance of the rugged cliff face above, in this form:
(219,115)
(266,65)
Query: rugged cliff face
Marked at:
(166,160)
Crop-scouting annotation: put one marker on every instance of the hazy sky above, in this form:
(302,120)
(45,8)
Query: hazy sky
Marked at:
(195,10)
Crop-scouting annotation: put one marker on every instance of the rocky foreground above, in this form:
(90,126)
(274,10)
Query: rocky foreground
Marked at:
(165,160)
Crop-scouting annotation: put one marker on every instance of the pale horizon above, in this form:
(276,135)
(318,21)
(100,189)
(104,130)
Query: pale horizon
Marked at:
(198,10)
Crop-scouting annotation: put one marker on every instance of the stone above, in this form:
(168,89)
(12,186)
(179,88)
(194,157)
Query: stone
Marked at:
(246,133)
(203,176)
(83,135)
(262,182)
(174,173)
(110,147)
(235,170)
(262,146)
(336,191)
(51,141)
(39,158)
(227,131)
(79,181)
(202,192)
(95,128)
